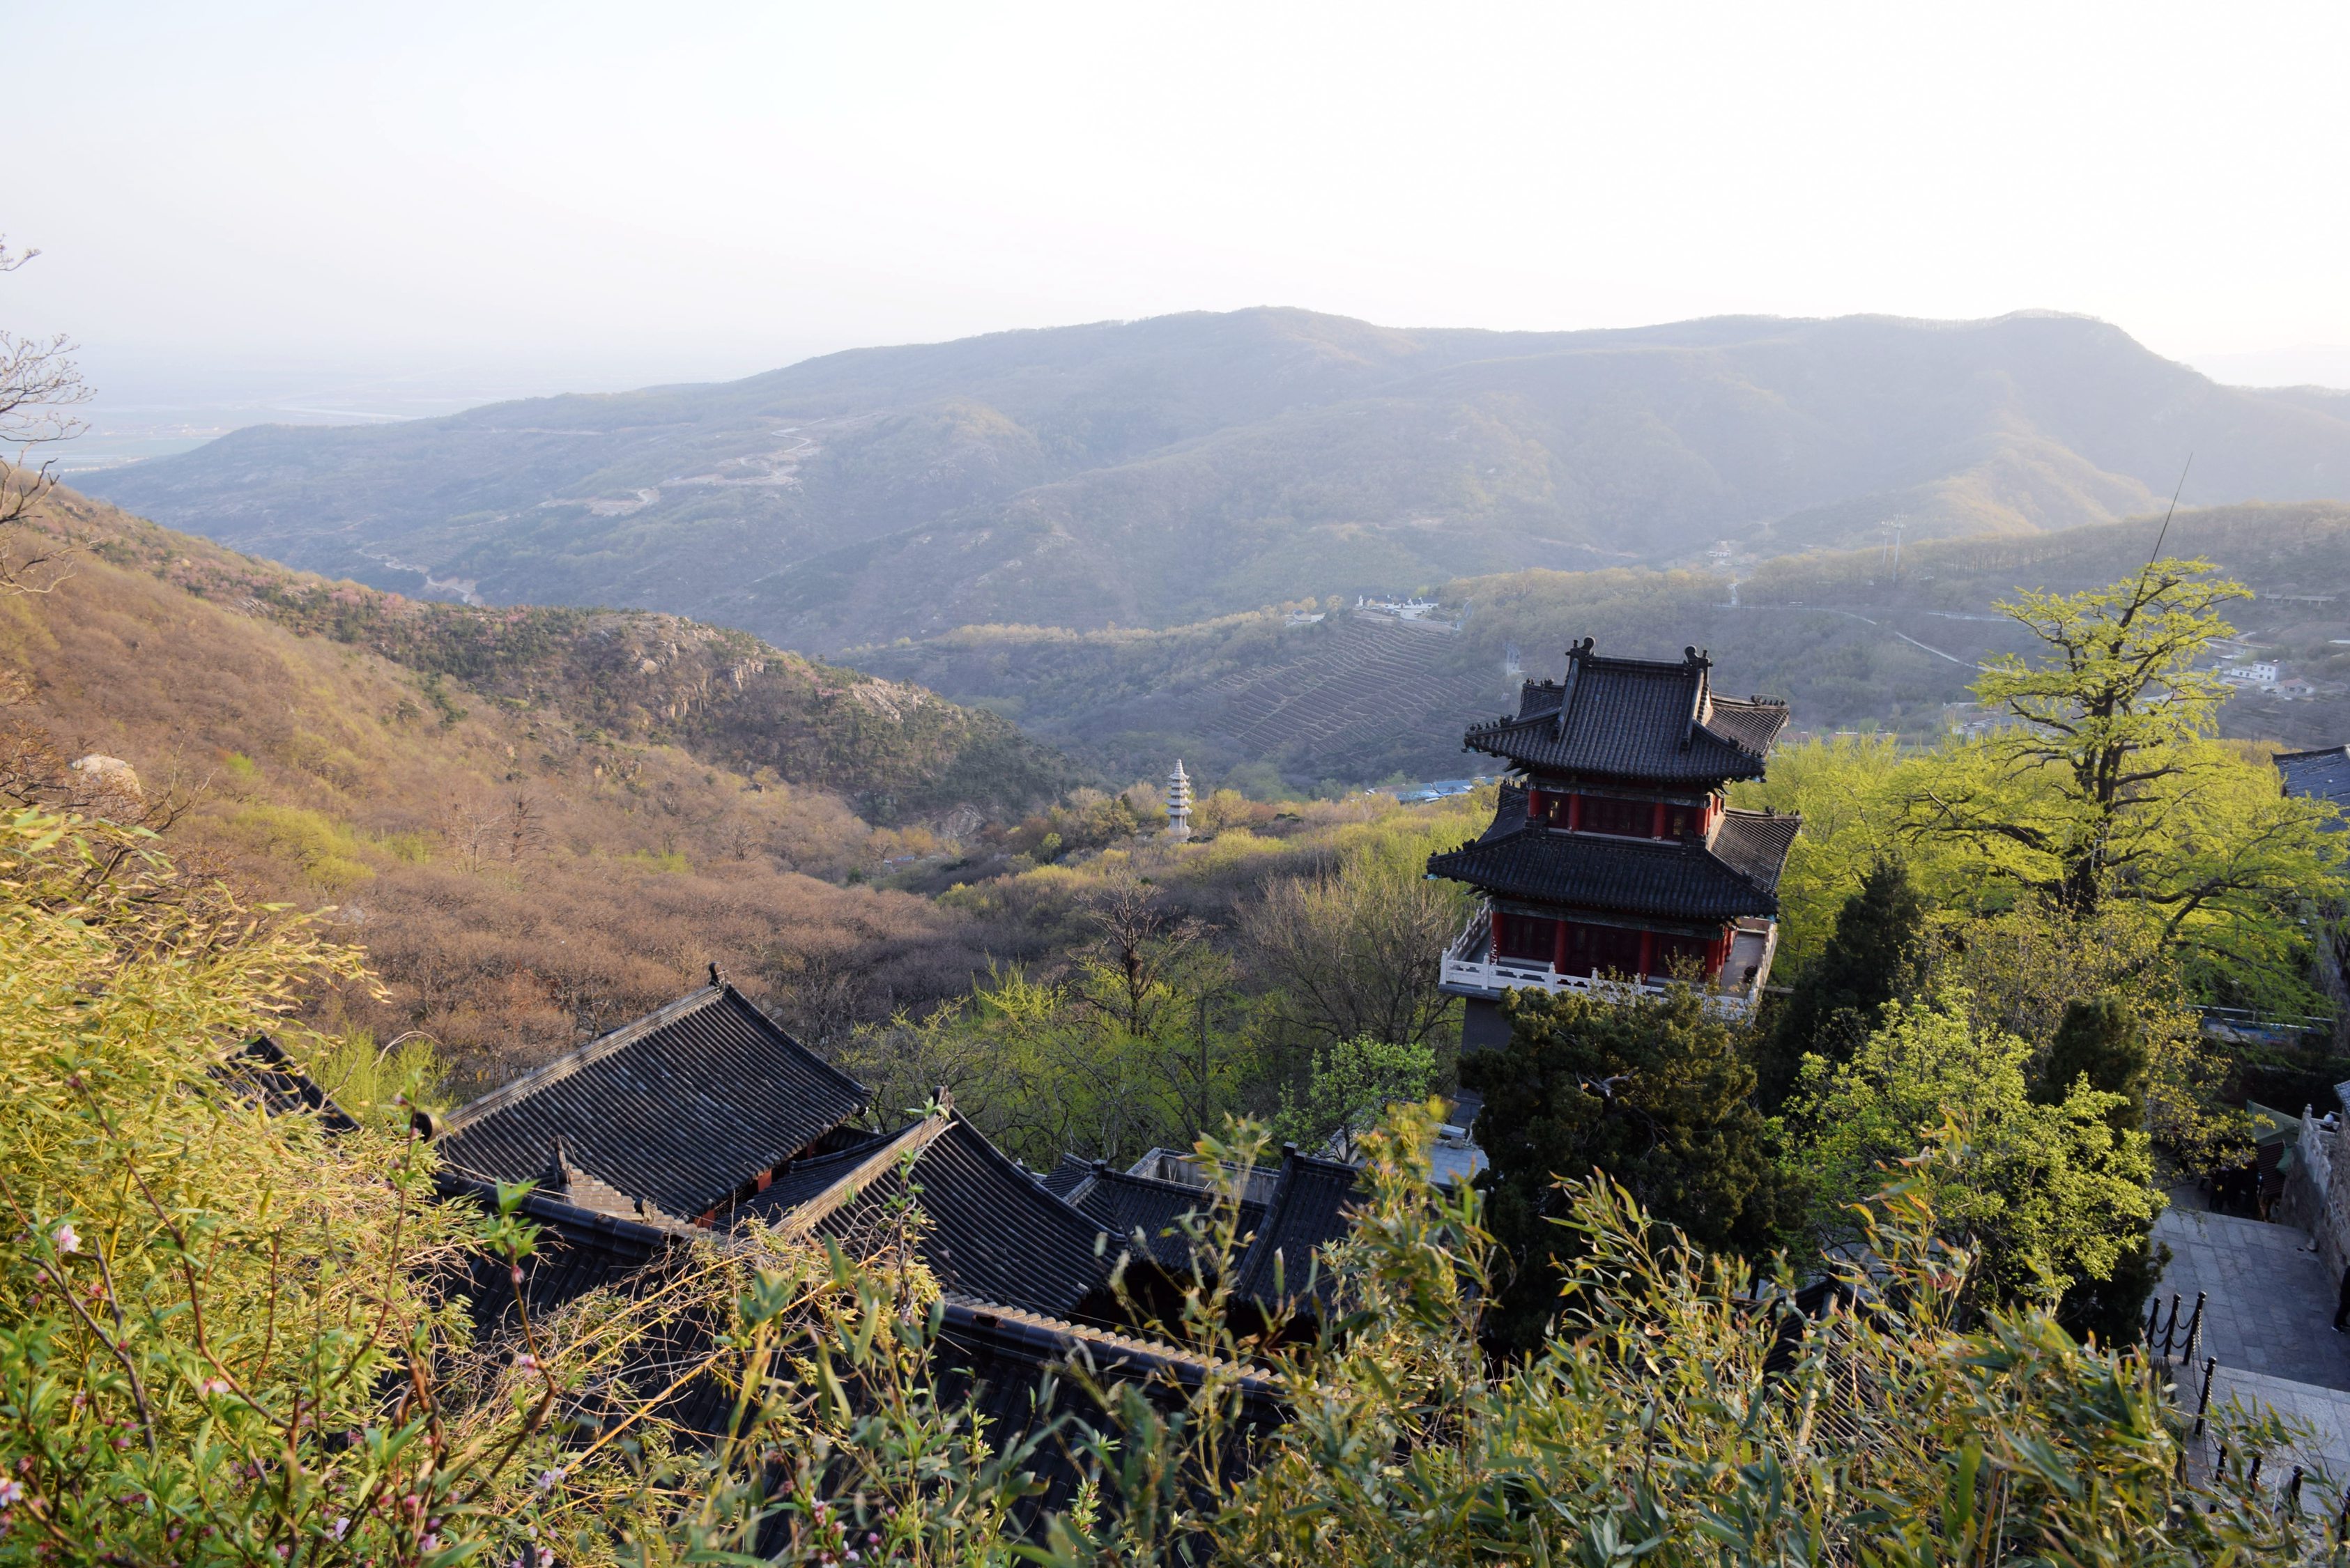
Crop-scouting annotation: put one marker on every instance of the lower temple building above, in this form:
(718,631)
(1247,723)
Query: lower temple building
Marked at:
(1614,860)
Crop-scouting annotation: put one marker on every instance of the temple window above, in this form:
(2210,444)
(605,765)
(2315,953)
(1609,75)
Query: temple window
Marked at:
(1629,818)
(1528,937)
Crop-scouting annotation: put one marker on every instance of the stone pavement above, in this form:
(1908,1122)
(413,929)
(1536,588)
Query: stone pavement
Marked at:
(2268,1319)
(2324,1455)
(2270,1307)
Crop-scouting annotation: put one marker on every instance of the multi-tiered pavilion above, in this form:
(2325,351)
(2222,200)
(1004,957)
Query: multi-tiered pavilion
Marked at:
(1615,859)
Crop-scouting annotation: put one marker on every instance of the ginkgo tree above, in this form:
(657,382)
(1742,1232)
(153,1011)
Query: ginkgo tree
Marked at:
(2107,787)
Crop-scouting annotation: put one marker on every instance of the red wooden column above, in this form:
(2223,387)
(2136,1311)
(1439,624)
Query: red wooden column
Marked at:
(1647,947)
(1558,953)
(1656,823)
(1494,951)
(1575,812)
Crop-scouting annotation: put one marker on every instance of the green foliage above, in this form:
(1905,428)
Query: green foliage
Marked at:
(2049,1192)
(2107,787)
(1841,790)
(187,1285)
(220,1348)
(1138,1044)
(1652,1093)
(328,854)
(379,1085)
(1352,1083)
(2025,968)
(1088,820)
(1876,955)
(2100,1042)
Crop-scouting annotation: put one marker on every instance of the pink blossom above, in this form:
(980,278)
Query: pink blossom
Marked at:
(342,1528)
(214,1385)
(427,1542)
(65,1238)
(10,1493)
(526,1361)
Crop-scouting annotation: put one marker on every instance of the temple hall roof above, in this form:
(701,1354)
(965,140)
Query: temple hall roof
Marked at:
(1124,1203)
(1311,1207)
(1737,875)
(1635,718)
(2318,776)
(681,1109)
(264,1074)
(993,1232)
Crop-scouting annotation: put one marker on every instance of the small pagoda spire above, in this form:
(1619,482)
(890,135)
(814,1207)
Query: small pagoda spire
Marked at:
(1178,804)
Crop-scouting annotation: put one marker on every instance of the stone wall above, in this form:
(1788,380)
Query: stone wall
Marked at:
(2317,1191)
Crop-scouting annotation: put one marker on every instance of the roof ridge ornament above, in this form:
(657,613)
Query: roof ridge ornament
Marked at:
(717,975)
(1700,664)
(557,1176)
(1576,652)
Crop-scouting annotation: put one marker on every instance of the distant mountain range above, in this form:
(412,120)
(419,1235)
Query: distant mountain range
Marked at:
(1160,472)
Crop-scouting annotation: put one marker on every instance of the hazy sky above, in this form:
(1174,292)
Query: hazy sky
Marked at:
(517,196)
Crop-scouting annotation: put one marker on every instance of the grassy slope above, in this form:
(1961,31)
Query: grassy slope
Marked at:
(1163,471)
(328,773)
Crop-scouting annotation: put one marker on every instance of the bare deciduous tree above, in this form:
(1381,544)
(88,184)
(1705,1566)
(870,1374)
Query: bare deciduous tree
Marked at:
(39,385)
(525,829)
(471,833)
(1138,942)
(1357,951)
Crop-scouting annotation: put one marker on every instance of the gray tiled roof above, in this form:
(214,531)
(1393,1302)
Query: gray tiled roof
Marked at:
(1635,718)
(1066,1177)
(264,1074)
(2318,776)
(681,1109)
(991,1232)
(1737,875)
(1311,1207)
(1124,1203)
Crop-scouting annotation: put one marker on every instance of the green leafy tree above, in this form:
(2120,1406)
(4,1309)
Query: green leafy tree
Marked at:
(1876,955)
(1654,1093)
(1353,1083)
(2098,1043)
(2107,787)
(2023,968)
(1847,791)
(2050,1193)
(1138,1044)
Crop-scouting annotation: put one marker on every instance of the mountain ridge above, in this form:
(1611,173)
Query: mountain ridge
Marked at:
(1169,470)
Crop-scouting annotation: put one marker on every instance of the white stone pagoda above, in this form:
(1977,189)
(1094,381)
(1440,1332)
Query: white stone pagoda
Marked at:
(1178,804)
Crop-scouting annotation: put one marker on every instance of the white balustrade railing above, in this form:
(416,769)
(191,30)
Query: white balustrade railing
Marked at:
(1471,964)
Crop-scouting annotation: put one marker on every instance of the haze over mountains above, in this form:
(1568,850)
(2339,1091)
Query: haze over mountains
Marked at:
(1159,471)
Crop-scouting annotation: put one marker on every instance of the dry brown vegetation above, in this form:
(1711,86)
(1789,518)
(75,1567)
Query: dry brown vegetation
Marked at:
(519,877)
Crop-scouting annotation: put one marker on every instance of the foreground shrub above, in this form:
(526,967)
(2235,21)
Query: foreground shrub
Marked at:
(227,1340)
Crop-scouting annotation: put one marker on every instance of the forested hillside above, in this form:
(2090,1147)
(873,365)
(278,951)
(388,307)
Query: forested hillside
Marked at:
(537,822)
(1163,472)
(1849,643)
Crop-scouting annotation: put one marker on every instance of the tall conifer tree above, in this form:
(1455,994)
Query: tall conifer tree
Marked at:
(1876,956)
(1654,1094)
(2100,1039)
